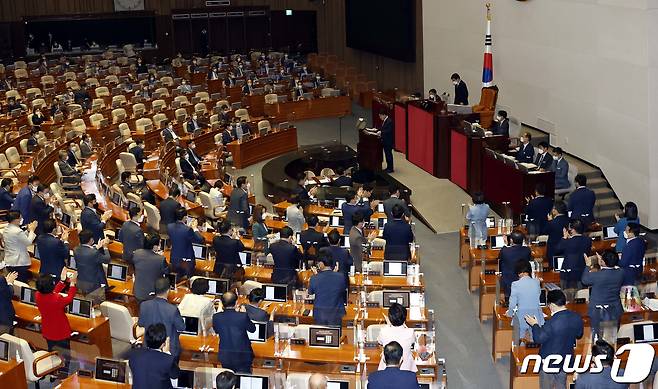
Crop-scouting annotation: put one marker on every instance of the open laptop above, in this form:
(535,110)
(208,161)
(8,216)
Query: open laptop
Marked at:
(200,251)
(340,202)
(391,297)
(66,220)
(338,384)
(217,286)
(4,350)
(557,262)
(253,382)
(132,204)
(117,272)
(260,334)
(191,325)
(185,380)
(275,292)
(80,307)
(337,221)
(491,221)
(191,196)
(609,233)
(646,332)
(245,258)
(28,295)
(395,268)
(111,370)
(497,242)
(346,241)
(324,337)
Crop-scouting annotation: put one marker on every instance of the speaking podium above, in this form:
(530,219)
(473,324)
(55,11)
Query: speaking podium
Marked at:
(369,151)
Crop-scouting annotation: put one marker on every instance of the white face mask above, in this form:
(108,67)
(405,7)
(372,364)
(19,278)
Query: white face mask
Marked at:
(455,82)
(141,218)
(20,221)
(625,235)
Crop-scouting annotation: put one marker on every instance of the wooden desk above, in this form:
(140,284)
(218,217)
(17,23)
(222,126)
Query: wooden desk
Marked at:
(77,382)
(310,109)
(12,375)
(264,147)
(530,380)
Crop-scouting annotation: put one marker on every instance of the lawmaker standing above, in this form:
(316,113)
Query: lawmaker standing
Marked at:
(461,90)
(131,234)
(604,302)
(387,134)
(574,245)
(524,300)
(40,208)
(183,260)
(53,250)
(89,218)
(227,251)
(16,242)
(151,365)
(477,220)
(149,267)
(328,286)
(159,310)
(238,210)
(7,313)
(90,260)
(392,377)
(235,350)
(630,215)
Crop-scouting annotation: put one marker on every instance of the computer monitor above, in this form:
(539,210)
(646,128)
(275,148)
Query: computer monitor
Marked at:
(381,222)
(4,350)
(185,379)
(80,307)
(542,297)
(245,258)
(424,386)
(191,325)
(260,334)
(172,281)
(346,241)
(340,202)
(66,220)
(338,385)
(28,295)
(609,233)
(217,286)
(497,241)
(275,292)
(116,198)
(324,337)
(117,272)
(191,196)
(253,382)
(557,262)
(380,207)
(72,264)
(491,221)
(200,251)
(395,268)
(111,370)
(646,332)
(132,204)
(394,296)
(337,221)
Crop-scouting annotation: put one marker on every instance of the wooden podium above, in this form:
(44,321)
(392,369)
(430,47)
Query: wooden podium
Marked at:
(369,151)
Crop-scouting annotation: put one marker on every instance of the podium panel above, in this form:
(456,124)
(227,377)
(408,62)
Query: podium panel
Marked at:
(459,159)
(400,128)
(421,147)
(370,152)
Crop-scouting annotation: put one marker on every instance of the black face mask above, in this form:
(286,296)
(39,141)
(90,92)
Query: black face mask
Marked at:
(96,206)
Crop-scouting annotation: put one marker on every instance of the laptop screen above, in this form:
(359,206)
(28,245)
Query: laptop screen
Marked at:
(275,292)
(336,221)
(111,370)
(4,350)
(191,196)
(609,233)
(217,286)
(116,198)
(132,204)
(340,202)
(28,295)
(185,380)
(380,207)
(338,385)
(66,219)
(80,307)
(191,325)
(346,242)
(324,337)
(117,272)
(557,262)
(497,242)
(200,251)
(260,335)
(399,297)
(245,258)
(645,333)
(491,222)
(172,281)
(395,268)
(252,382)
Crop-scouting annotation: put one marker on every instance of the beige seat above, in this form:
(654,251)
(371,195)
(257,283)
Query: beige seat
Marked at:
(14,157)
(223,103)
(162,92)
(141,124)
(20,65)
(182,100)
(23,146)
(13,93)
(114,71)
(5,169)
(129,162)
(264,125)
(118,114)
(204,377)
(179,171)
(271,98)
(98,104)
(297,380)
(70,76)
(376,296)
(47,80)
(124,131)
(119,99)
(158,105)
(214,119)
(242,113)
(203,96)
(92,82)
(21,74)
(33,92)
(73,84)
(102,91)
(158,118)
(139,109)
(112,79)
(218,138)
(211,208)
(326,92)
(152,215)
(167,81)
(79,126)
(200,109)
(309,174)
(37,103)
(134,178)
(327,172)
(180,114)
(123,327)
(37,364)
(133,197)
(95,119)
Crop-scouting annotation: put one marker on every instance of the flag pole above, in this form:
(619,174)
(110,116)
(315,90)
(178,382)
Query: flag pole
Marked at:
(487,67)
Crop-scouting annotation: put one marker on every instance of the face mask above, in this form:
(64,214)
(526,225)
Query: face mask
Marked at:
(46,195)
(96,206)
(20,221)
(141,218)
(455,82)
(625,235)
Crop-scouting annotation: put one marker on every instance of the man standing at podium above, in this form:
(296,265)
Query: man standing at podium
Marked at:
(461,91)
(386,133)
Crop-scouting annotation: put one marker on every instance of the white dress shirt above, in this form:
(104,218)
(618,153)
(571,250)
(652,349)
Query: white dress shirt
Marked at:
(406,338)
(16,242)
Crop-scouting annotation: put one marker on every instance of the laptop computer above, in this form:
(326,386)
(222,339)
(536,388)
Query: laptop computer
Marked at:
(4,350)
(395,268)
(645,332)
(275,292)
(338,385)
(346,241)
(609,233)
(28,295)
(391,297)
(200,251)
(245,257)
(111,370)
(324,337)
(253,382)
(191,325)
(185,380)
(117,272)
(217,286)
(491,221)
(557,262)
(260,334)
(80,307)
(336,221)
(497,242)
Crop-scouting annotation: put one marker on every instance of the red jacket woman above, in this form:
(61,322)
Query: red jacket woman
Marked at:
(55,326)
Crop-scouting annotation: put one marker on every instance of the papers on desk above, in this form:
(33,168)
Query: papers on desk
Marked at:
(528,165)
(324,180)
(463,109)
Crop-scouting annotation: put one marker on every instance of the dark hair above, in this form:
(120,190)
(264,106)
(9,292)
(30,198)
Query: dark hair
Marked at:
(517,237)
(543,144)
(560,206)
(155,335)
(257,214)
(85,236)
(540,188)
(45,283)
(224,226)
(634,228)
(368,187)
(397,314)
(181,213)
(432,90)
(43,187)
(557,297)
(325,256)
(134,211)
(125,176)
(32,179)
(6,182)
(581,179)
(13,215)
(340,170)
(478,198)
(522,266)
(455,76)
(139,141)
(350,195)
(87,199)
(502,114)
(256,295)
(397,211)
(240,181)
(334,237)
(312,221)
(610,258)
(392,189)
(577,225)
(174,192)
(601,347)
(558,150)
(151,239)
(286,232)
(200,286)
(393,353)
(229,299)
(48,226)
(226,380)
(357,217)
(162,285)
(630,211)
(294,199)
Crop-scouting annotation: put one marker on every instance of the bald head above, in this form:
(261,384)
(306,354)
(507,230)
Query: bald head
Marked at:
(317,381)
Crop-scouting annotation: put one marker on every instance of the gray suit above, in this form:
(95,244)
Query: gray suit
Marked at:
(132,237)
(602,380)
(149,266)
(238,210)
(604,302)
(357,240)
(89,261)
(160,311)
(390,202)
(524,297)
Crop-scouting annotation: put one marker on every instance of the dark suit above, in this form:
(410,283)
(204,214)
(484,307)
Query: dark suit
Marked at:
(92,222)
(260,315)
(350,209)
(561,169)
(69,174)
(235,351)
(192,126)
(341,256)
(72,160)
(189,172)
(39,212)
(85,150)
(23,203)
(342,181)
(631,260)
(32,144)
(574,262)
(7,313)
(555,231)
(90,262)
(168,208)
(525,154)
(507,259)
(581,205)
(53,253)
(388,140)
(390,202)
(227,257)
(602,380)
(194,158)
(501,128)
(544,161)
(138,152)
(168,134)
(149,266)
(604,302)
(558,334)
(461,93)
(312,238)
(6,199)
(238,210)
(398,235)
(329,290)
(182,257)
(132,237)
(392,378)
(227,137)
(537,211)
(152,369)
(287,259)
(161,311)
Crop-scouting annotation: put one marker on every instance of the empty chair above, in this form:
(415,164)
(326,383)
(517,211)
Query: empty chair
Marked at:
(37,364)
(297,380)
(13,93)
(141,125)
(112,79)
(73,84)
(14,157)
(214,119)
(168,81)
(264,126)
(139,109)
(79,126)
(158,105)
(118,99)
(200,109)
(182,100)
(92,82)
(158,118)
(223,103)
(162,92)
(327,172)
(124,130)
(129,162)
(20,65)
(242,113)
(33,92)
(5,169)
(95,119)
(211,209)
(47,80)
(70,76)
(152,215)
(37,103)
(23,146)
(97,104)
(376,296)
(203,96)
(123,327)
(21,74)
(326,92)
(271,98)
(102,91)
(118,114)
(180,114)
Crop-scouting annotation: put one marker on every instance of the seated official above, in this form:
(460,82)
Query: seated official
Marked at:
(89,260)
(544,160)
(235,350)
(557,222)
(152,366)
(328,286)
(69,174)
(72,157)
(604,284)
(160,310)
(182,258)
(632,256)
(12,105)
(53,250)
(193,124)
(392,200)
(6,194)
(196,304)
(524,300)
(398,236)
(581,201)
(509,256)
(392,377)
(90,220)
(256,313)
(184,87)
(57,108)
(397,331)
(537,211)
(149,266)
(168,132)
(561,169)
(526,152)
(573,246)
(138,152)
(127,186)
(287,258)
(341,178)
(311,239)
(295,214)
(86,146)
(33,140)
(227,247)
(246,128)
(194,158)
(501,125)
(227,137)
(131,234)
(37,117)
(248,88)
(189,171)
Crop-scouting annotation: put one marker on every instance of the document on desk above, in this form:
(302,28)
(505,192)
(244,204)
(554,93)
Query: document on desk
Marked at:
(528,165)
